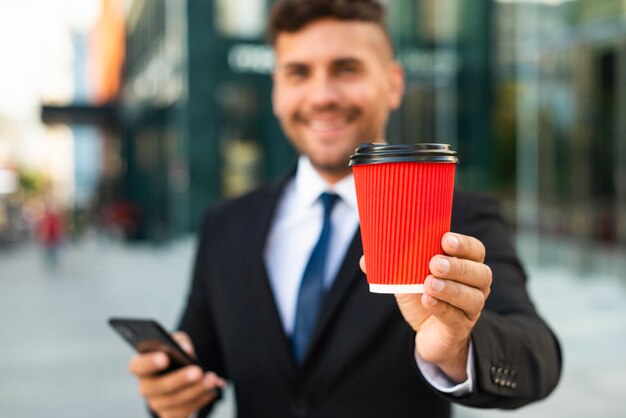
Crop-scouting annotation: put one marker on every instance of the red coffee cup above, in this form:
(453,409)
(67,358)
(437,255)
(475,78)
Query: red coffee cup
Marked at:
(404,194)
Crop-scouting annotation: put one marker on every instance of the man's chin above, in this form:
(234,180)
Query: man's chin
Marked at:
(334,168)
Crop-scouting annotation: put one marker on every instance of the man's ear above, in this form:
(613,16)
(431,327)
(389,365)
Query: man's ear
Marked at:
(396,85)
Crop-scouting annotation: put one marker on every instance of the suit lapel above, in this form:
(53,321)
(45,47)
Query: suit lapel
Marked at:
(260,288)
(348,275)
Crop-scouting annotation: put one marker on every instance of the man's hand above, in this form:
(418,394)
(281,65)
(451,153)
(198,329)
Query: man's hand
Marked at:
(179,393)
(454,296)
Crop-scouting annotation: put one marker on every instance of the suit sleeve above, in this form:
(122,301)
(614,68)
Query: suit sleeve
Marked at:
(198,316)
(517,356)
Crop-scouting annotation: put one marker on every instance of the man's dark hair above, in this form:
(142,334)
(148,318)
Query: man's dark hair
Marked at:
(294,15)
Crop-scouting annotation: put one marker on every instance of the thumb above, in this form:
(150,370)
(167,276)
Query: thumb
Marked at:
(362,264)
(185,342)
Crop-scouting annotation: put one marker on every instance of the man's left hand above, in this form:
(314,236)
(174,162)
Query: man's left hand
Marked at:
(454,296)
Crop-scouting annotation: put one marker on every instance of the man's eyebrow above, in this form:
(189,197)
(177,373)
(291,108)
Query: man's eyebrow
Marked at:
(335,62)
(293,65)
(347,61)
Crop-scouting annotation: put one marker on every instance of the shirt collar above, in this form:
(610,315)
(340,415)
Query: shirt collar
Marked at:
(309,185)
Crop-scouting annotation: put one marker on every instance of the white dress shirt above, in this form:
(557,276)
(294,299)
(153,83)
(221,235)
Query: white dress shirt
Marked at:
(294,232)
(295,229)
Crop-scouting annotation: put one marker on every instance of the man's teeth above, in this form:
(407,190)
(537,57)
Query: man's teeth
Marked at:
(327,125)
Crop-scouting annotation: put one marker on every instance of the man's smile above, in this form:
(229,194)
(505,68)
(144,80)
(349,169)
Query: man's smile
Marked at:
(328,122)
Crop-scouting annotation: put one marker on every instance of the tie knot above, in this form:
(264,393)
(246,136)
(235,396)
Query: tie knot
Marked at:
(328,200)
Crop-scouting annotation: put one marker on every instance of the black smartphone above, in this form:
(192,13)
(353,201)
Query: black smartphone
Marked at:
(147,335)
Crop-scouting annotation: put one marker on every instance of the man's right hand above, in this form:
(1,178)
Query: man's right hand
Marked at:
(177,394)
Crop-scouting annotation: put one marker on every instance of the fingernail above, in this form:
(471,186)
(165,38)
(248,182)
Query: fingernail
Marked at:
(211,380)
(453,242)
(160,360)
(208,381)
(193,374)
(432,301)
(443,265)
(437,285)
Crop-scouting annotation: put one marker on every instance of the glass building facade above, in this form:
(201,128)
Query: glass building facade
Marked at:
(196,99)
(529,92)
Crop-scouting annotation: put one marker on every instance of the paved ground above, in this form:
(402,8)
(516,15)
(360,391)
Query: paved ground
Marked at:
(59,358)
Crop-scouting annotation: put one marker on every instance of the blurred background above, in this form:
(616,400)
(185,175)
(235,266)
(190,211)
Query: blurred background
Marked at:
(121,120)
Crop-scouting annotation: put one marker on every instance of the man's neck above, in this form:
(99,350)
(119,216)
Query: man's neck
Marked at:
(332,177)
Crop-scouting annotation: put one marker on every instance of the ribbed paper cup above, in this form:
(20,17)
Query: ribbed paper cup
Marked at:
(404,195)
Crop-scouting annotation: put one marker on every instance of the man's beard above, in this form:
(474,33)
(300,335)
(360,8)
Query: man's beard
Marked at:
(348,113)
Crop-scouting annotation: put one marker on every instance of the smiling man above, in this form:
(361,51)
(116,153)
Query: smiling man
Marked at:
(278,305)
(334,85)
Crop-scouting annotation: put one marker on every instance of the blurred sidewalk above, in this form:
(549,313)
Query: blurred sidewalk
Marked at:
(59,358)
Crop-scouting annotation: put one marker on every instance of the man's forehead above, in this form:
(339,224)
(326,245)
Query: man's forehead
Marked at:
(305,60)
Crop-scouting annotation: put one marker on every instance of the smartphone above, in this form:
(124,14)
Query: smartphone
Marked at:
(147,335)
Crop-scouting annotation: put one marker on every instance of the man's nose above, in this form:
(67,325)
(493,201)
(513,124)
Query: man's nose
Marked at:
(323,91)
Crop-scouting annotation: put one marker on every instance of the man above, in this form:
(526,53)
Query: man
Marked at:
(473,337)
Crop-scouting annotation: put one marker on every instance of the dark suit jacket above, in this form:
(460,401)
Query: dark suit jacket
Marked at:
(360,362)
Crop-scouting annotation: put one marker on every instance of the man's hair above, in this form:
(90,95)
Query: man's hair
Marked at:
(293,15)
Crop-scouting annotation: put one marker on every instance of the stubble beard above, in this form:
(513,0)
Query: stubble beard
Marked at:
(338,165)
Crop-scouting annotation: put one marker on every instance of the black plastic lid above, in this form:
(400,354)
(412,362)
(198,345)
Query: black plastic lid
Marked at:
(403,153)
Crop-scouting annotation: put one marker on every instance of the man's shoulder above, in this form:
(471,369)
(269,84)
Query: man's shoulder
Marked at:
(468,203)
(244,206)
(471,197)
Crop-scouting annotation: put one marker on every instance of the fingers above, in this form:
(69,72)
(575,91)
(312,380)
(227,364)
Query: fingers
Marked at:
(170,382)
(452,302)
(179,393)
(463,246)
(362,264)
(186,410)
(149,364)
(187,396)
(459,283)
(184,342)
(468,272)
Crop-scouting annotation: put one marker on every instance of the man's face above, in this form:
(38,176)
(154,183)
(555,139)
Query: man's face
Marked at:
(334,85)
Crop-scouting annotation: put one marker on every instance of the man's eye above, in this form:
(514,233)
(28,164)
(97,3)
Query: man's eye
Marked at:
(348,69)
(296,73)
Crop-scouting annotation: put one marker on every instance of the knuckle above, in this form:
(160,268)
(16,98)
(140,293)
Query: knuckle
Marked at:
(154,405)
(454,290)
(489,276)
(462,268)
(481,250)
(481,301)
(442,307)
(461,318)
(173,382)
(203,400)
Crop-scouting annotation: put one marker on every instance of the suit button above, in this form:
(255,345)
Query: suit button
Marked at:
(300,407)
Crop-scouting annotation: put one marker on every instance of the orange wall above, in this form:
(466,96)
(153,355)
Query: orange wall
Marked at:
(106,54)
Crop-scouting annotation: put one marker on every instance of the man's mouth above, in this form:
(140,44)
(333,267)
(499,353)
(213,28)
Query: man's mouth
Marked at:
(328,125)
(328,122)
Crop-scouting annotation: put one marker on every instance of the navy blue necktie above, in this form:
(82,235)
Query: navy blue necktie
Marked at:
(311,291)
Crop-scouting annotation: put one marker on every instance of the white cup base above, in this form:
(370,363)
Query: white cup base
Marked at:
(396,288)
